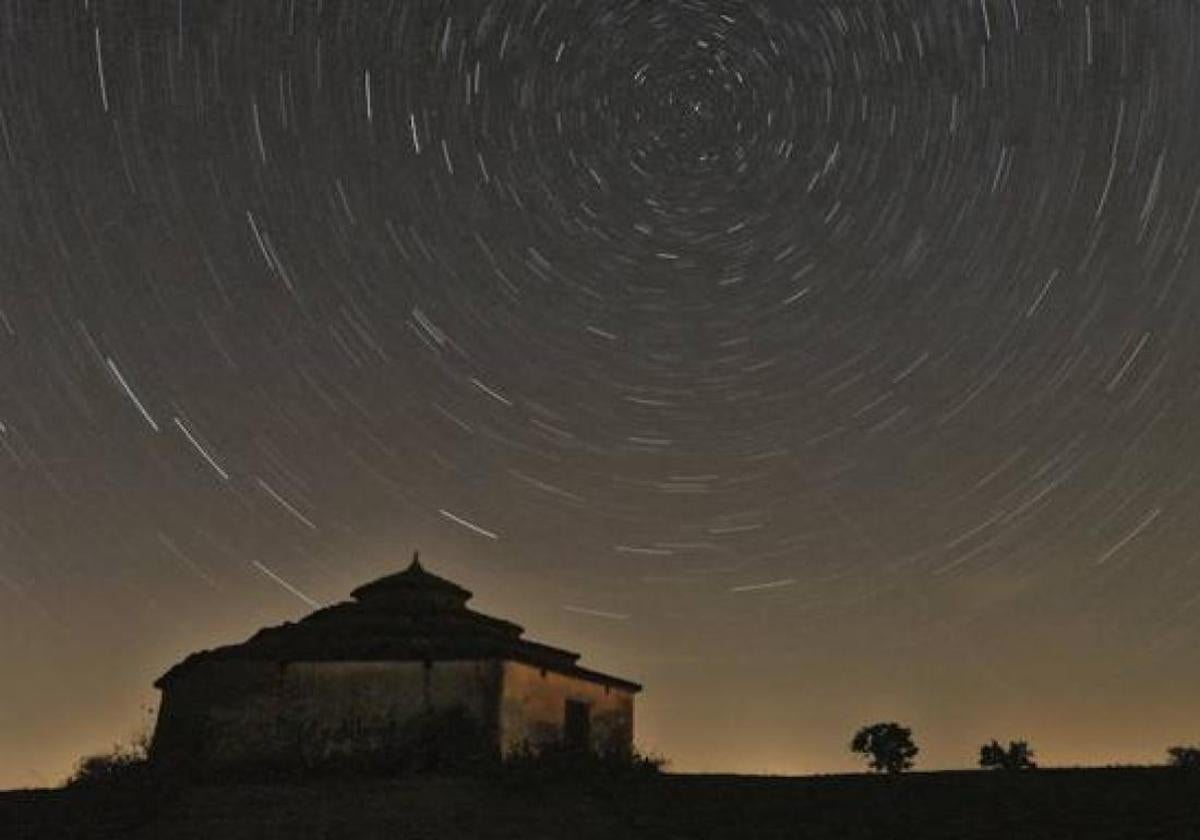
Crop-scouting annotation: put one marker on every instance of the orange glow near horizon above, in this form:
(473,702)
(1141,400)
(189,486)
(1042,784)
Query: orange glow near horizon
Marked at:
(813,364)
(704,717)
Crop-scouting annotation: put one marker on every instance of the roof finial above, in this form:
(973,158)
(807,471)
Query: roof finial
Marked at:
(415,566)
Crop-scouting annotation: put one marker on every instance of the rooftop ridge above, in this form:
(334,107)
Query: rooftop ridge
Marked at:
(404,616)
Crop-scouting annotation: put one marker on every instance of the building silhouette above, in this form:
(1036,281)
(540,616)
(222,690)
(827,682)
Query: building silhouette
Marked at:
(350,682)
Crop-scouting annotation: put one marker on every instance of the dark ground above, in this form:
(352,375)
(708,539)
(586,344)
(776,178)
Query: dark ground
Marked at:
(1141,803)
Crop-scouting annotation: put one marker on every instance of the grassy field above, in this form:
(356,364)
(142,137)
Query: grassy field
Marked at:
(1142,803)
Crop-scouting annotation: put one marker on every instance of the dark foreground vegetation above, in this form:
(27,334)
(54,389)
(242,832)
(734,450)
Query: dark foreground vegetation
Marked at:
(1141,803)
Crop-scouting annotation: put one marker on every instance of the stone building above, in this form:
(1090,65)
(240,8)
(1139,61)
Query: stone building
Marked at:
(349,682)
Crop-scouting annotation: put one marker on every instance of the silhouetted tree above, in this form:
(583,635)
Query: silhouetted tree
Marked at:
(1018,756)
(889,745)
(1185,758)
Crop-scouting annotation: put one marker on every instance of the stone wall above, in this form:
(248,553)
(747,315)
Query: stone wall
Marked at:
(226,714)
(533,707)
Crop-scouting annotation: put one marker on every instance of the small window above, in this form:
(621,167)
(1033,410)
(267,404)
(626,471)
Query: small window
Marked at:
(577,725)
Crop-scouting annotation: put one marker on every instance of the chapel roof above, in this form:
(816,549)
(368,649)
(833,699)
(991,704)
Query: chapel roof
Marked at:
(413,582)
(412,615)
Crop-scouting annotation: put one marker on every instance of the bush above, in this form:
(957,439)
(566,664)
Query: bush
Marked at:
(447,741)
(119,791)
(1018,756)
(123,764)
(555,762)
(1184,758)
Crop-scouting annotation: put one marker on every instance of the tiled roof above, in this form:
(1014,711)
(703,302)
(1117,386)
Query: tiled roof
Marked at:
(409,616)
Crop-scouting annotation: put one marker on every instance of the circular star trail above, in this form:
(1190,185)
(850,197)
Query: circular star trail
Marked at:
(836,339)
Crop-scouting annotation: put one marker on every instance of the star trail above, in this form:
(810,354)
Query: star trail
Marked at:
(804,361)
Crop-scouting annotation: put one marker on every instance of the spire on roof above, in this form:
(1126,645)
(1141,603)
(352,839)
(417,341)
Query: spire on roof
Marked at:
(413,586)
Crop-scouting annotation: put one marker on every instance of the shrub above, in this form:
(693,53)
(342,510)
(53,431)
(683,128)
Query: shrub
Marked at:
(123,764)
(1184,758)
(555,761)
(1018,756)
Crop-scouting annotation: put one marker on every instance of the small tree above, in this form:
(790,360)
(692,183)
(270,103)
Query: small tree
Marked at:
(889,745)
(1018,756)
(1184,758)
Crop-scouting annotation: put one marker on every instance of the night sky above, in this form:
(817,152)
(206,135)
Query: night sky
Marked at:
(813,363)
